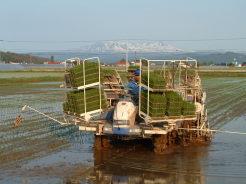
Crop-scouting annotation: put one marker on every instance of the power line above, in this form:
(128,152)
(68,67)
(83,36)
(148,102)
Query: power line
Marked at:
(91,41)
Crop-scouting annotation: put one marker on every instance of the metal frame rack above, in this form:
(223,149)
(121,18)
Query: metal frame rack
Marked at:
(76,61)
(145,64)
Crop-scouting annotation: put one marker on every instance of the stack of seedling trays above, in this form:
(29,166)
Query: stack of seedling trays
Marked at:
(188,108)
(163,103)
(76,74)
(108,72)
(85,96)
(166,104)
(174,103)
(75,103)
(156,80)
(157,104)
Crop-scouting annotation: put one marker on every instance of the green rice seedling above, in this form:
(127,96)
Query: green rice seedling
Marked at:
(132,68)
(75,101)
(91,74)
(156,80)
(108,72)
(174,103)
(157,104)
(188,108)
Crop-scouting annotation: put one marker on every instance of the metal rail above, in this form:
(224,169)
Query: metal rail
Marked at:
(147,118)
(31,108)
(213,130)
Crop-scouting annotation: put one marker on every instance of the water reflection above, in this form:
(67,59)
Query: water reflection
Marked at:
(143,166)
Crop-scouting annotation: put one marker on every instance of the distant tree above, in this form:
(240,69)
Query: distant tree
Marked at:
(21,58)
(231,64)
(52,58)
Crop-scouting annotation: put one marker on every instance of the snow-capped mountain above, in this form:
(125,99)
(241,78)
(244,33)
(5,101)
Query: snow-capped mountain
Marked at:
(131,46)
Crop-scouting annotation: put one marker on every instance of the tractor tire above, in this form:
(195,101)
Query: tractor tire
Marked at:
(106,142)
(97,142)
(160,143)
(101,142)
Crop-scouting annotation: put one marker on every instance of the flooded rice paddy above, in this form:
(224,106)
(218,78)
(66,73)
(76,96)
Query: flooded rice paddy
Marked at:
(41,151)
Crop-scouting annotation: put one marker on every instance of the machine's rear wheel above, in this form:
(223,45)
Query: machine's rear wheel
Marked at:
(160,143)
(102,142)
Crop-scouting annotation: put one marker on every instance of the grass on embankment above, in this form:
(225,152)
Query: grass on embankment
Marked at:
(11,81)
(21,77)
(223,73)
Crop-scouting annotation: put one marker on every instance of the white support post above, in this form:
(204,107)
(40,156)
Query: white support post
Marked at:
(126,56)
(179,73)
(164,68)
(99,71)
(84,85)
(140,87)
(148,91)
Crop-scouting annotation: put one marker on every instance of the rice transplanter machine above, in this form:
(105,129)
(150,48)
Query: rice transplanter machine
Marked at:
(161,100)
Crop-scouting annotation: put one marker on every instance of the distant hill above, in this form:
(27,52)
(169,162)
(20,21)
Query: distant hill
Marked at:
(9,57)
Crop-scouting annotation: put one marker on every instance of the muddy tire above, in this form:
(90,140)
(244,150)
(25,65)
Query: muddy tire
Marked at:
(97,142)
(160,143)
(101,142)
(106,142)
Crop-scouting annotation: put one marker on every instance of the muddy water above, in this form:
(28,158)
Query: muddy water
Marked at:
(40,151)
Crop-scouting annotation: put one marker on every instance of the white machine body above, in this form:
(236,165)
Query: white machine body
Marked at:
(125,113)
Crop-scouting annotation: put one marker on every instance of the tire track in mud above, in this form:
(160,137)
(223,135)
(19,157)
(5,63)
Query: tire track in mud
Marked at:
(24,141)
(26,127)
(35,128)
(32,151)
(36,135)
(226,111)
(225,99)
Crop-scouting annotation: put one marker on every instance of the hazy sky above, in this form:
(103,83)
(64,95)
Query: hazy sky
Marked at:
(76,20)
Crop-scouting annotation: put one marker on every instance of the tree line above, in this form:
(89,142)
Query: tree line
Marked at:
(9,57)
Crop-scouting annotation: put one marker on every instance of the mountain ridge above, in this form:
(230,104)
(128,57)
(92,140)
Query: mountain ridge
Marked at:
(130,46)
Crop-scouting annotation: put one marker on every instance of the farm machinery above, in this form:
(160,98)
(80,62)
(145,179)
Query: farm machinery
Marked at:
(160,100)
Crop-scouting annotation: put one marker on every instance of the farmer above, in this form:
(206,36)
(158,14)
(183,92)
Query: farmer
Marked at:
(133,85)
(18,121)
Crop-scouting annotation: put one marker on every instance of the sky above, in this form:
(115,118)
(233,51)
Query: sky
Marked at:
(42,25)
